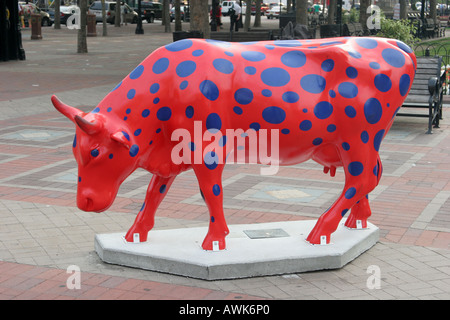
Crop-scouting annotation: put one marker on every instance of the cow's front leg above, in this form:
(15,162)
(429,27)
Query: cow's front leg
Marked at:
(210,182)
(145,219)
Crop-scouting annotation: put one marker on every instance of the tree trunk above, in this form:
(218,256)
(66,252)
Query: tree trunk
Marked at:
(57,14)
(178,16)
(248,14)
(403,10)
(257,22)
(301,14)
(105,31)
(167,27)
(82,41)
(363,15)
(433,11)
(117,14)
(199,16)
(332,12)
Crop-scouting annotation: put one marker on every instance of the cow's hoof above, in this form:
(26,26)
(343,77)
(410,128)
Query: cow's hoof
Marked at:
(318,239)
(135,236)
(354,223)
(213,244)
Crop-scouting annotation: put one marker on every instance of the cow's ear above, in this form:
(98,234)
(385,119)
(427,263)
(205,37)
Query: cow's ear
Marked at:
(123,138)
(87,126)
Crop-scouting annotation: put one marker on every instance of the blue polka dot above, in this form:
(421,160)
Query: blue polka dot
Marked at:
(328,65)
(378,138)
(355,168)
(250,70)
(274,115)
(160,65)
(136,73)
(111,156)
(237,110)
(117,86)
(209,89)
(179,45)
(290,97)
(351,72)
(393,57)
(266,93)
(350,111)
(317,141)
(164,113)
(355,54)
(313,83)
(293,59)
(404,83)
(137,132)
(74,144)
(131,93)
(228,53)
(128,111)
(323,110)
(367,43)
(162,189)
(156,100)
(331,128)
(96,110)
(350,193)
(213,122)
(382,82)
(212,218)
(374,65)
(109,109)
(344,212)
(211,160)
(95,153)
(305,125)
(404,47)
(332,93)
(285,131)
(253,56)
(345,146)
(223,66)
(364,136)
(373,110)
(348,90)
(216,189)
(275,77)
(197,53)
(158,130)
(189,112)
(126,135)
(222,141)
(192,146)
(186,68)
(243,96)
(255,126)
(287,43)
(134,150)
(154,88)
(183,85)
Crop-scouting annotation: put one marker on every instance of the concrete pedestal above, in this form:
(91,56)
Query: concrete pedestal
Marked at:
(252,250)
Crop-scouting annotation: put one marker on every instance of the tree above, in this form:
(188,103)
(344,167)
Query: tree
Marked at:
(178,15)
(248,14)
(117,14)
(332,11)
(167,16)
(105,31)
(257,22)
(301,14)
(199,16)
(433,10)
(57,14)
(82,41)
(363,15)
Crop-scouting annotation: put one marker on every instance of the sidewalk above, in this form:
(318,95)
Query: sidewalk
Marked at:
(42,233)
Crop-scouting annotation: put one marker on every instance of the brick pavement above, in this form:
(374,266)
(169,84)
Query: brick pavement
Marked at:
(42,232)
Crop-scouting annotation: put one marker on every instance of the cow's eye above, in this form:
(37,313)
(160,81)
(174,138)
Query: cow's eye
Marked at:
(94,153)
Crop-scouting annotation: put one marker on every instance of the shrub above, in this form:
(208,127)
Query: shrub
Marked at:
(401,30)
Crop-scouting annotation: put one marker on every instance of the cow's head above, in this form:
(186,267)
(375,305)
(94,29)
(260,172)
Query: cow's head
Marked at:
(105,153)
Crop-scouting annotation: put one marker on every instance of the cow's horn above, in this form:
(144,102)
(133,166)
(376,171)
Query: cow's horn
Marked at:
(68,111)
(87,126)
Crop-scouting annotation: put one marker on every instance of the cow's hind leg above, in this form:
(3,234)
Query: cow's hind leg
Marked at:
(145,219)
(359,181)
(210,182)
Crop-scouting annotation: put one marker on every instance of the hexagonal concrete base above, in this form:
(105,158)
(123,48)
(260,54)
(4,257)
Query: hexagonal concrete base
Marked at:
(252,250)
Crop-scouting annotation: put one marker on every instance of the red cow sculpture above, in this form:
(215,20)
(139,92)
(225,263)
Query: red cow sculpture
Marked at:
(330,100)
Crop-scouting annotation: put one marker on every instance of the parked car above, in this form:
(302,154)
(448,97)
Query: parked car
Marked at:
(172,14)
(96,8)
(29,8)
(65,13)
(226,5)
(274,12)
(151,11)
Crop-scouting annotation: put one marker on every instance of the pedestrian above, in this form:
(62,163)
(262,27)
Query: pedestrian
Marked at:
(235,15)
(124,13)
